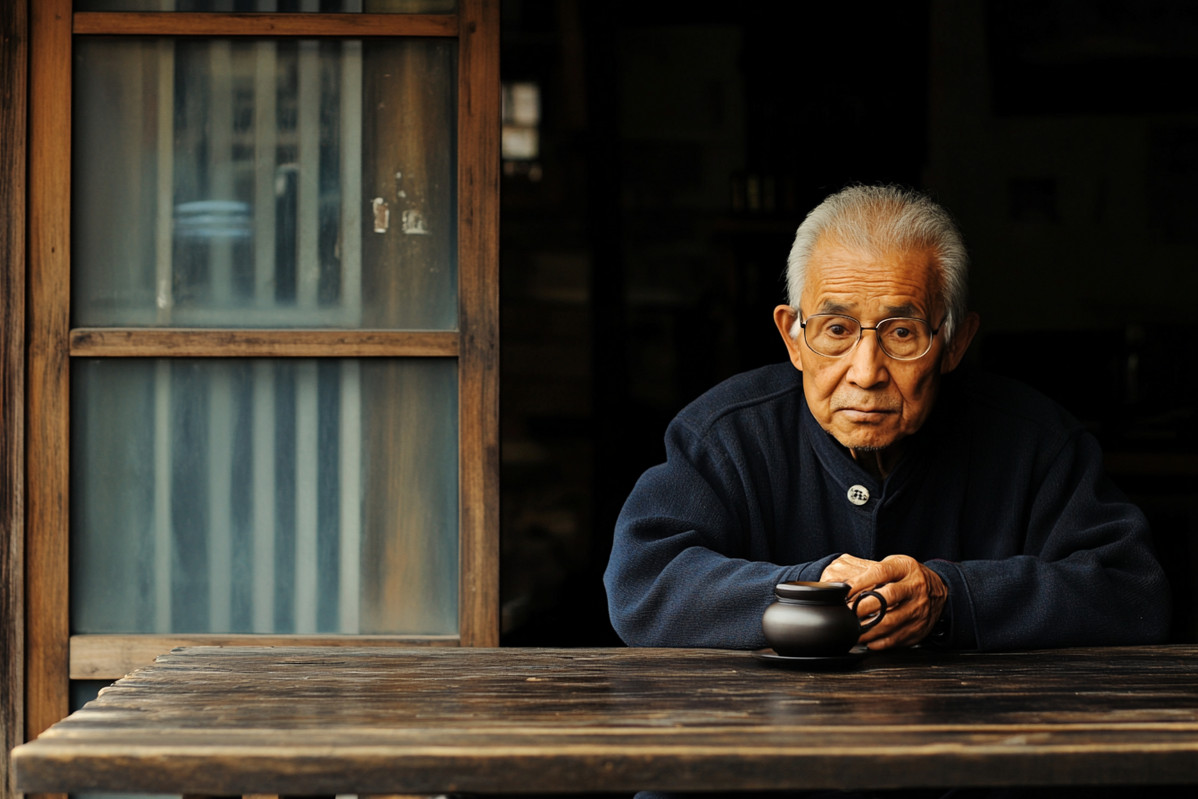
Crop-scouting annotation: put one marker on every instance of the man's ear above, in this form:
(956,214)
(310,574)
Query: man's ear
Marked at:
(784,319)
(960,343)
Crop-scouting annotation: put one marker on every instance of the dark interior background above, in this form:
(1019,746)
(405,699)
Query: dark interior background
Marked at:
(681,144)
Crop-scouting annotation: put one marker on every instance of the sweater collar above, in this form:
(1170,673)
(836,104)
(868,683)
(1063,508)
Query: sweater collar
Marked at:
(839,463)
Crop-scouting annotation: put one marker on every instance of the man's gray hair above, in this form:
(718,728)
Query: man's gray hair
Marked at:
(874,220)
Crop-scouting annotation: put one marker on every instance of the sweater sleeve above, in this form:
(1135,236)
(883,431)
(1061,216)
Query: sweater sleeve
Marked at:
(1087,575)
(685,569)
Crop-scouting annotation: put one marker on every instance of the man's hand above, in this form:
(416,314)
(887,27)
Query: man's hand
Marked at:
(915,596)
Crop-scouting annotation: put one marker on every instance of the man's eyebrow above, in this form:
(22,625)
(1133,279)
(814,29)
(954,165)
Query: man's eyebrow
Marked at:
(831,306)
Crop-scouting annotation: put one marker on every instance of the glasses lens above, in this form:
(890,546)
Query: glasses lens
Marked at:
(901,338)
(832,335)
(904,338)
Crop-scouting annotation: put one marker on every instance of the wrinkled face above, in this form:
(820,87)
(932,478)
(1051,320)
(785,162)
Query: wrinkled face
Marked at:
(867,400)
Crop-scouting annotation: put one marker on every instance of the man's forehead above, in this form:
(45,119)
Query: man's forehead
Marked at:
(900,282)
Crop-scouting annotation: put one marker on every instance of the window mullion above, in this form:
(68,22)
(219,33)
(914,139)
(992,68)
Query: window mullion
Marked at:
(205,343)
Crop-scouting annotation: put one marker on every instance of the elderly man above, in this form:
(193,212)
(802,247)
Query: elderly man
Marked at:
(975,506)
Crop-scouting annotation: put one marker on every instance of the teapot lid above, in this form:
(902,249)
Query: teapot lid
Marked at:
(805,591)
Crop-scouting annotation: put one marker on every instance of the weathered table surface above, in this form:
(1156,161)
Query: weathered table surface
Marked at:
(239,720)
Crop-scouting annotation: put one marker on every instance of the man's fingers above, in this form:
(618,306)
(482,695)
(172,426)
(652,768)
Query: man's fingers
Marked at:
(868,605)
(889,571)
(900,627)
(912,610)
(913,595)
(845,569)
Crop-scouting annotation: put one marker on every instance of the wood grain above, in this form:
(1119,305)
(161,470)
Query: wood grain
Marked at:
(13,74)
(47,403)
(212,24)
(478,258)
(320,720)
(112,656)
(195,343)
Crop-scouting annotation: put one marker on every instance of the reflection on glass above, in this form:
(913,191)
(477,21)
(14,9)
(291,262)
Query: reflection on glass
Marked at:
(275,183)
(281,6)
(264,496)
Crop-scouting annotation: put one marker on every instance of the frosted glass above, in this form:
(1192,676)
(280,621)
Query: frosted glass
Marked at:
(264,496)
(264,183)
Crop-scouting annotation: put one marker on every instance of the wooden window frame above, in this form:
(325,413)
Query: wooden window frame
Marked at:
(13,76)
(52,656)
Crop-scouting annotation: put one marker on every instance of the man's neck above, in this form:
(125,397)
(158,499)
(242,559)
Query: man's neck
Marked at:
(878,462)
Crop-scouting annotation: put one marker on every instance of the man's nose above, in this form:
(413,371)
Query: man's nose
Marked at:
(867,363)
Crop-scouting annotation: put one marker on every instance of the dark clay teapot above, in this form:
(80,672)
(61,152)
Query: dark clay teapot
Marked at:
(811,619)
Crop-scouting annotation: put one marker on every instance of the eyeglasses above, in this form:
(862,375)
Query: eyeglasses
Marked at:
(902,338)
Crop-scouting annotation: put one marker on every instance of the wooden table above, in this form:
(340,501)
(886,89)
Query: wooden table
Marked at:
(241,720)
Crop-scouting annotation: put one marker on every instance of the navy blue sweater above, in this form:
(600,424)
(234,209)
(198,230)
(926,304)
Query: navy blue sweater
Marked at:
(1001,492)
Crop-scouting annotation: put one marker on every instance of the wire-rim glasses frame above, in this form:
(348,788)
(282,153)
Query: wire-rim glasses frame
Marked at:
(887,330)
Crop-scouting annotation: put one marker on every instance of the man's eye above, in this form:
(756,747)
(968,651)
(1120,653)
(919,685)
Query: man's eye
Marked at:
(901,332)
(837,330)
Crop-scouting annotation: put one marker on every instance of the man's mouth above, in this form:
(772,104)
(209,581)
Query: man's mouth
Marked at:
(865,414)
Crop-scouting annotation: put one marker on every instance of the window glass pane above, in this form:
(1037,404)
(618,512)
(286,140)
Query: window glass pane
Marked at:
(284,6)
(276,183)
(264,496)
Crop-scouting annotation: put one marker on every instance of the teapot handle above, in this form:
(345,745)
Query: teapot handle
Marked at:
(869,625)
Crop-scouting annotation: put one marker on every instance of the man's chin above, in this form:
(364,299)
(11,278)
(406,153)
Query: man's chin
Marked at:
(864,440)
(866,448)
